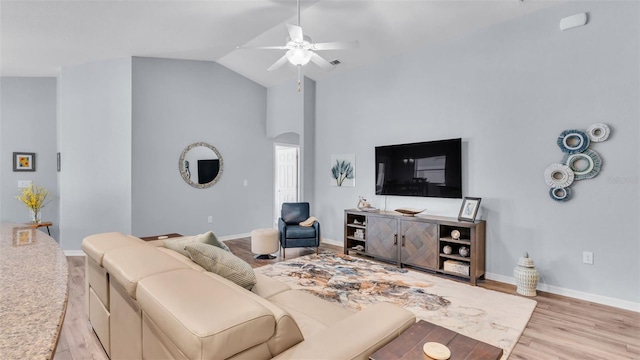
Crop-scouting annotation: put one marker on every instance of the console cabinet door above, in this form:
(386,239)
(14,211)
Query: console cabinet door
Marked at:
(419,244)
(382,237)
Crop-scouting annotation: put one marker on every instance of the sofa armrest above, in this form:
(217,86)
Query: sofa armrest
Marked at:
(357,336)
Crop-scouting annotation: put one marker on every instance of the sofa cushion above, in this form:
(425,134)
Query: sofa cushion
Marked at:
(287,333)
(127,265)
(95,246)
(223,263)
(266,287)
(373,327)
(312,314)
(206,238)
(183,259)
(200,315)
(299,232)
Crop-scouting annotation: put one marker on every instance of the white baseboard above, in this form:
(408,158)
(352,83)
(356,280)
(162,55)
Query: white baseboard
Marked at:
(73,253)
(599,299)
(233,237)
(332,242)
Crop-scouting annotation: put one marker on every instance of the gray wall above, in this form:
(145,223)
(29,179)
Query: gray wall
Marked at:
(285,108)
(176,103)
(308,148)
(293,112)
(508,91)
(95,144)
(28,124)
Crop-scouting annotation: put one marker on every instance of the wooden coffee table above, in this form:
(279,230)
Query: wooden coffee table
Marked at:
(409,344)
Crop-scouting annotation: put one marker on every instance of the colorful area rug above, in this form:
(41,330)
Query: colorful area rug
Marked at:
(489,316)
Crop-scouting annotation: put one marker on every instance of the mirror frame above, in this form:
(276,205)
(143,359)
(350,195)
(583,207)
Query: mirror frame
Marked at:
(184,173)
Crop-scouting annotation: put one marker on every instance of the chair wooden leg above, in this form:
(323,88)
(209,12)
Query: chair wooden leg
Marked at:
(284,256)
(317,250)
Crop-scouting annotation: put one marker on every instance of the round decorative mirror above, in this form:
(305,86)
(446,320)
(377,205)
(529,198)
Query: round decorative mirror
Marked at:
(200,165)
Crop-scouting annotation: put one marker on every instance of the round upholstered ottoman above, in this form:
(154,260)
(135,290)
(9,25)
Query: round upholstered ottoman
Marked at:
(265,242)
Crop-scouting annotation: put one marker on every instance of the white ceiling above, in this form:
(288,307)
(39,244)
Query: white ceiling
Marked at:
(39,37)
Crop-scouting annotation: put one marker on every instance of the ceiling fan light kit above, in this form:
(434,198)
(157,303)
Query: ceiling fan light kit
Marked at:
(299,56)
(301,50)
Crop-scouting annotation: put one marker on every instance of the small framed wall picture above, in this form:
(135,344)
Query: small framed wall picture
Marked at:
(469,209)
(23,161)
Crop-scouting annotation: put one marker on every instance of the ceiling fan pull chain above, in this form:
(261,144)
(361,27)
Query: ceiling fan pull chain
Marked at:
(299,70)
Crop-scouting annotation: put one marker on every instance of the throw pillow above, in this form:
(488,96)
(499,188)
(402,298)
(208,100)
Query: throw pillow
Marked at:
(217,242)
(206,238)
(309,221)
(223,263)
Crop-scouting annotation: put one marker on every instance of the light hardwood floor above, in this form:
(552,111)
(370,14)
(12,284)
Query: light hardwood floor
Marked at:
(560,327)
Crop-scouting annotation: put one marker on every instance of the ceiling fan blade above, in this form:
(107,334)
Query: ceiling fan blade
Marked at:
(295,33)
(277,47)
(339,45)
(278,63)
(320,61)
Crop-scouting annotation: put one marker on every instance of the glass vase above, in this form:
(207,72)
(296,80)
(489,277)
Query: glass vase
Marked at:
(35,216)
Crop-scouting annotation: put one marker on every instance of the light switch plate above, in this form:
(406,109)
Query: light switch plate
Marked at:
(24,183)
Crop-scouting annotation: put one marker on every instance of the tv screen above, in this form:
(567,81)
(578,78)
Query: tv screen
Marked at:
(208,170)
(428,169)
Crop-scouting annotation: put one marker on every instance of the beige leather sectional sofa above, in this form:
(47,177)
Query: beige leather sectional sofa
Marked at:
(145,301)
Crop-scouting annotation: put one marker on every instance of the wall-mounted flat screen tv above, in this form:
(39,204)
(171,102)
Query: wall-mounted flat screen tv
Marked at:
(427,169)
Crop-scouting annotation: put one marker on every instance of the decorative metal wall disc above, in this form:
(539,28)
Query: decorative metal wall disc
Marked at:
(598,132)
(578,162)
(573,141)
(560,194)
(585,165)
(558,176)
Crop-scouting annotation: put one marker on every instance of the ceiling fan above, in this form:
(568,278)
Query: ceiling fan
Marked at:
(301,50)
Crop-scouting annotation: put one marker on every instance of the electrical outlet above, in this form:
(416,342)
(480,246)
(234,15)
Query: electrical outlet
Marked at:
(245,183)
(210,219)
(587,257)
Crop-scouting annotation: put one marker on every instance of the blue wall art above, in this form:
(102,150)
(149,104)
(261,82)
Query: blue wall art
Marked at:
(579,162)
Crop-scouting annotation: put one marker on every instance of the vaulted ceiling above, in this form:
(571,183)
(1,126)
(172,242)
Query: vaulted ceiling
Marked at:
(37,38)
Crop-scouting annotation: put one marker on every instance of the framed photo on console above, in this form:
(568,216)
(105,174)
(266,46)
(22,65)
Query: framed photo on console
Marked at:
(469,209)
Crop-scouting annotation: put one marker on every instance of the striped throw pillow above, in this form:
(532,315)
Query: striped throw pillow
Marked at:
(223,263)
(206,238)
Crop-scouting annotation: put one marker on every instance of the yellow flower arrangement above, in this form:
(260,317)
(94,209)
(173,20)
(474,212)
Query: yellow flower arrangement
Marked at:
(34,197)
